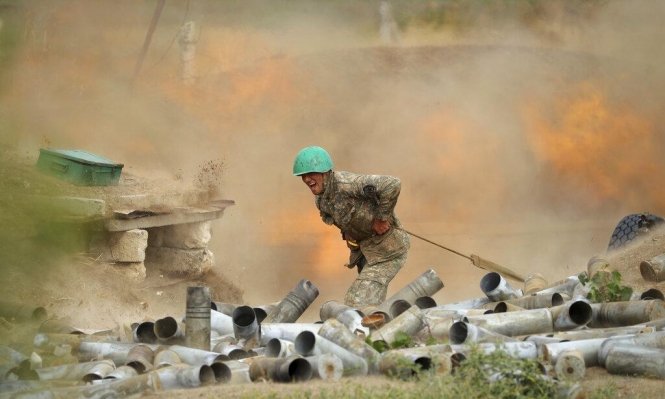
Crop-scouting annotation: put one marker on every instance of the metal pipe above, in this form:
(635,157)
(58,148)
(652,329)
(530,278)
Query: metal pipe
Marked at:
(71,372)
(571,315)
(336,332)
(567,286)
(398,307)
(427,284)
(543,339)
(185,376)
(326,366)
(374,317)
(119,388)
(588,347)
(465,333)
(658,324)
(525,322)
(115,351)
(263,311)
(570,365)
(168,330)
(140,358)
(309,344)
(409,322)
(437,328)
(294,303)
(122,372)
(281,369)
(476,303)
(407,362)
(425,302)
(537,301)
(652,293)
(280,348)
(193,356)
(48,342)
(223,307)
(287,331)
(221,323)
(21,312)
(222,372)
(98,372)
(497,288)
(653,269)
(590,333)
(165,358)
(145,333)
(230,350)
(503,307)
(350,317)
(635,360)
(620,314)
(533,283)
(522,350)
(245,324)
(197,318)
(655,340)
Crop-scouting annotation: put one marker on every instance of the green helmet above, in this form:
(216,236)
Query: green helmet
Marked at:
(312,159)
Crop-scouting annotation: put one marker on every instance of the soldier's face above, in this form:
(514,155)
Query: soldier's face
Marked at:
(314,181)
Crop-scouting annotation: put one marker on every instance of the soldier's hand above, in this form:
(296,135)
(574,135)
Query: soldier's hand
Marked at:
(349,266)
(380,226)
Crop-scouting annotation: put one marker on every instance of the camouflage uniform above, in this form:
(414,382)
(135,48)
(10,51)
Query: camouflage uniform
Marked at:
(352,202)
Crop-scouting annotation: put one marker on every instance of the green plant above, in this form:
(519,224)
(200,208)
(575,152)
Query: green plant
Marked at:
(605,287)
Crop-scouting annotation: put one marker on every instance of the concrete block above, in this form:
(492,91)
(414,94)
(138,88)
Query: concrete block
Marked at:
(181,236)
(125,246)
(134,271)
(180,262)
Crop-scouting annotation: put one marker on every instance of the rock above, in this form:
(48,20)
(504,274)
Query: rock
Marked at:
(180,262)
(182,236)
(125,246)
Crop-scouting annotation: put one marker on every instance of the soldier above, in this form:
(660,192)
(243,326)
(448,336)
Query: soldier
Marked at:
(361,206)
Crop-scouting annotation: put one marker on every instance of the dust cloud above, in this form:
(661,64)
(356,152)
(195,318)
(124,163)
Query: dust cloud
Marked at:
(522,131)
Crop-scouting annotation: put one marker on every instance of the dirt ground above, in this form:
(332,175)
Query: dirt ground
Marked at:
(92,296)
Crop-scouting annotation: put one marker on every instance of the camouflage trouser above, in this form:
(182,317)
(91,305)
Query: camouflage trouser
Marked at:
(371,285)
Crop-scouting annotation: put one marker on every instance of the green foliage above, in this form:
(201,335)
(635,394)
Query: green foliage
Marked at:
(402,340)
(605,287)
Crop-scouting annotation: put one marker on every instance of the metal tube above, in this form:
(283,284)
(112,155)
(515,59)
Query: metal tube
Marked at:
(197,318)
(165,358)
(653,269)
(588,347)
(115,351)
(537,301)
(374,317)
(398,307)
(168,330)
(654,340)
(281,369)
(263,311)
(230,350)
(636,360)
(140,358)
(476,303)
(590,333)
(185,376)
(652,293)
(222,372)
(223,307)
(337,333)
(437,328)
(288,331)
(49,341)
(620,314)
(570,365)
(503,307)
(427,284)
(220,323)
(98,372)
(533,283)
(21,312)
(406,362)
(350,317)
(294,303)
(120,388)
(280,348)
(525,322)
(309,344)
(425,302)
(122,372)
(245,324)
(567,286)
(522,350)
(497,288)
(464,333)
(193,356)
(145,333)
(571,315)
(326,366)
(409,322)
(72,372)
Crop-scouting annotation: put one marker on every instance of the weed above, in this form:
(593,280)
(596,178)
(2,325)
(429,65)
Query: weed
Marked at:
(606,287)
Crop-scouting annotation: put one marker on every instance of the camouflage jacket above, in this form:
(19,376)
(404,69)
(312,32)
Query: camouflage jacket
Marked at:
(352,202)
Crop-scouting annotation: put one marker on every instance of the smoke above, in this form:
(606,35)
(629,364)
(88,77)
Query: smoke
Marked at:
(520,133)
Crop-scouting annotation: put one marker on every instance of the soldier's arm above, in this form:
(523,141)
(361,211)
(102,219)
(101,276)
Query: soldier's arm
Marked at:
(383,189)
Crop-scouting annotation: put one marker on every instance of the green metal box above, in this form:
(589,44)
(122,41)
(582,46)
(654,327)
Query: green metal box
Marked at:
(79,167)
